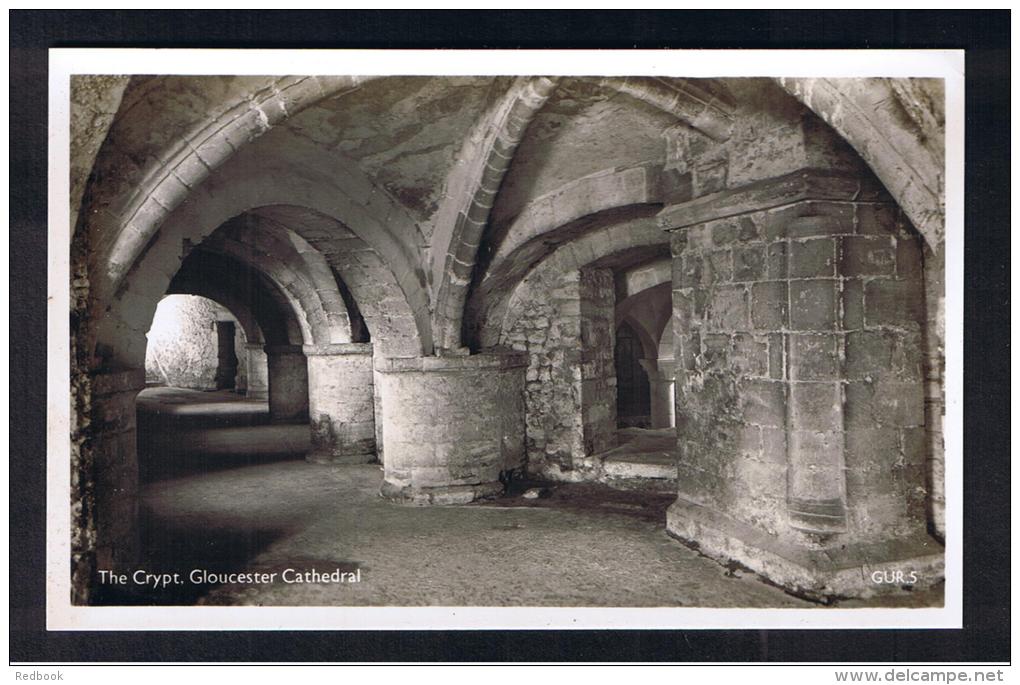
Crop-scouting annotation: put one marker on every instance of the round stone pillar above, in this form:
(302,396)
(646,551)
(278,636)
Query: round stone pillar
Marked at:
(452,425)
(288,383)
(258,372)
(341,403)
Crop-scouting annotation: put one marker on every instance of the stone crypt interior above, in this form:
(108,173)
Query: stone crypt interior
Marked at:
(509,341)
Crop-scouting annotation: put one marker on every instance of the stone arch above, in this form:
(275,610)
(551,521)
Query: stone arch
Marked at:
(258,302)
(298,282)
(563,314)
(593,194)
(631,239)
(664,346)
(650,307)
(371,283)
(181,352)
(257,380)
(239,309)
(376,269)
(705,109)
(648,346)
(275,358)
(708,110)
(646,292)
(897,126)
(643,294)
(472,190)
(568,246)
(128,213)
(298,270)
(550,220)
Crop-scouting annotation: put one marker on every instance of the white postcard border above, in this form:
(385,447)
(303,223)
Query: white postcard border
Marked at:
(61,615)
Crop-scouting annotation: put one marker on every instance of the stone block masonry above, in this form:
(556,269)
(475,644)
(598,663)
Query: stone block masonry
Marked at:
(548,330)
(453,425)
(568,334)
(116,466)
(341,403)
(288,383)
(800,391)
(598,369)
(182,349)
(257,372)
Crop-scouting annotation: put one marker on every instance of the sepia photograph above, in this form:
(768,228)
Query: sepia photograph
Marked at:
(449,340)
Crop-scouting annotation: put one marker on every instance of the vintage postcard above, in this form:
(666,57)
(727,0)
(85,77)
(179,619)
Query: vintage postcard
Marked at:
(488,339)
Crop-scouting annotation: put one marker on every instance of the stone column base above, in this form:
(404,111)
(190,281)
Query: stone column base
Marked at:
(327,456)
(840,571)
(446,494)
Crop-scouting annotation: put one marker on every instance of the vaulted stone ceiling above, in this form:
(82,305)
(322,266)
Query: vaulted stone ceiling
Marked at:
(405,132)
(454,180)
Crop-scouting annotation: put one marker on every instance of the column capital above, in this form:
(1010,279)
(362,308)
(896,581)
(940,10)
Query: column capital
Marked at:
(336,349)
(474,362)
(283,349)
(799,186)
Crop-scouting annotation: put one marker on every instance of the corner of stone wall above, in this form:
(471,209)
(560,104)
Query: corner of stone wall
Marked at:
(800,391)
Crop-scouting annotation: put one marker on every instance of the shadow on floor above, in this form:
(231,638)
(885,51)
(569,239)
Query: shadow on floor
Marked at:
(181,408)
(183,432)
(179,546)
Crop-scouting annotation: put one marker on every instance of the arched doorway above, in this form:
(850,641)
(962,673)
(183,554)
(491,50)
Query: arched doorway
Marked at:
(199,412)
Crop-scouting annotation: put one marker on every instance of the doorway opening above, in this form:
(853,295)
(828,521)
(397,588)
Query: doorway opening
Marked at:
(204,407)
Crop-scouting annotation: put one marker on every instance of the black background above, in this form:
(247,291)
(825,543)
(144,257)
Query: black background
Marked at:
(985,36)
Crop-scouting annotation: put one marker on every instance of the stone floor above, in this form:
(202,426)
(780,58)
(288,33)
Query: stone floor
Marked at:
(578,545)
(549,552)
